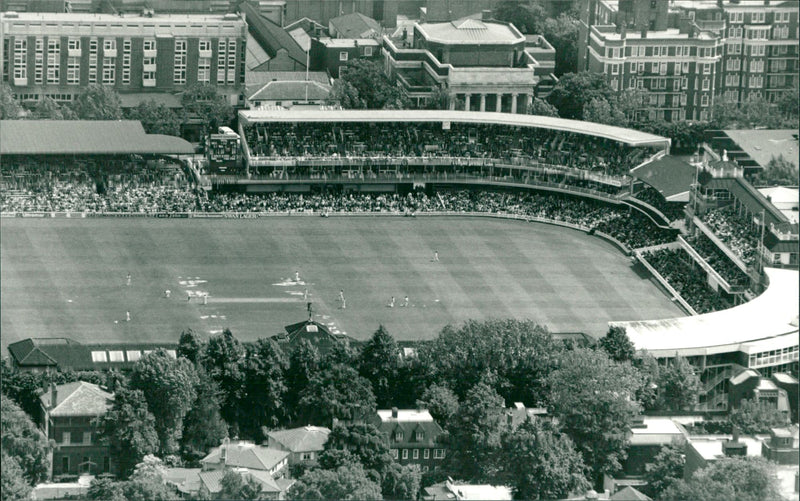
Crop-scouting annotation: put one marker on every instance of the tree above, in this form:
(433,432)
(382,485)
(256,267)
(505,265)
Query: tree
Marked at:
(667,466)
(337,392)
(345,483)
(149,469)
(203,426)
(129,428)
(190,346)
(629,101)
(23,441)
(441,402)
(264,387)
(156,118)
(221,358)
(202,100)
(602,112)
(49,109)
(562,33)
(649,370)
(778,172)
(169,386)
(239,486)
(379,364)
(341,353)
(304,362)
(363,84)
(527,17)
(98,102)
(594,399)
(366,443)
(440,99)
(679,386)
(331,459)
(106,489)
(575,90)
(475,434)
(542,108)
(753,417)
(13,484)
(9,107)
(617,344)
(401,481)
(147,490)
(541,463)
(748,478)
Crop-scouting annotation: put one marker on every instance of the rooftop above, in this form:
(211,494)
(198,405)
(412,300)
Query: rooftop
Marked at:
(451,490)
(406,416)
(306,438)
(629,493)
(246,455)
(78,399)
(290,91)
(609,33)
(670,175)
(471,31)
(744,376)
(116,18)
(355,25)
(763,145)
(336,43)
(656,426)
(782,377)
(709,447)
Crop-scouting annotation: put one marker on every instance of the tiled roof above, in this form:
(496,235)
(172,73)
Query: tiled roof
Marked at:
(78,399)
(291,91)
(629,494)
(355,25)
(212,480)
(69,354)
(247,455)
(304,439)
(270,36)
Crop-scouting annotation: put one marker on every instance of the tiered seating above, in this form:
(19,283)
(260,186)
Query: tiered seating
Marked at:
(740,236)
(719,261)
(675,265)
(651,196)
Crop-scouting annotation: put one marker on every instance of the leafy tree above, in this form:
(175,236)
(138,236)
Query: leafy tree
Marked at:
(475,434)
(190,346)
(601,111)
(147,490)
(23,387)
(439,100)
(338,392)
(526,16)
(222,358)
(156,118)
(542,107)
(202,100)
(331,459)
(401,481)
(679,386)
(778,172)
(150,468)
(594,399)
(575,90)
(363,84)
(366,443)
(97,102)
(629,101)
(9,107)
(49,109)
(169,386)
(748,478)
(345,483)
(379,363)
(650,371)
(106,489)
(13,484)
(23,441)
(667,466)
(562,33)
(617,344)
(753,417)
(541,463)
(789,107)
(264,387)
(129,428)
(441,402)
(340,353)
(238,486)
(304,362)
(203,426)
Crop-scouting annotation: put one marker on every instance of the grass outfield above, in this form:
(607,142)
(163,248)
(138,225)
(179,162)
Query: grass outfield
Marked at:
(67,277)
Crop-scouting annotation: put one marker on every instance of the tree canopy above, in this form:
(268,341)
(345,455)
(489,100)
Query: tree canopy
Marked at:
(679,386)
(363,84)
(441,402)
(203,101)
(752,417)
(203,426)
(379,363)
(617,344)
(23,441)
(365,442)
(156,118)
(576,90)
(264,388)
(9,107)
(335,392)
(748,478)
(13,484)
(130,429)
(348,482)
(666,468)
(97,102)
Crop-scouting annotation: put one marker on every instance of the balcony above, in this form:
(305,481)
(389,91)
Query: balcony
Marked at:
(149,53)
(74,52)
(21,82)
(149,67)
(110,53)
(204,53)
(148,82)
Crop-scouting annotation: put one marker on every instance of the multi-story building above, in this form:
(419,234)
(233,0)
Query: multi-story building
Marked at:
(57,54)
(634,46)
(488,65)
(68,414)
(412,435)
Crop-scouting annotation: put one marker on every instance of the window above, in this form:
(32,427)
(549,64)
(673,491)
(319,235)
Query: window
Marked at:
(109,44)
(662,70)
(115,355)
(737,17)
(419,436)
(73,70)
(733,64)
(126,61)
(654,67)
(93,60)
(179,67)
(426,454)
(64,464)
(781,17)
(676,84)
(394,453)
(204,45)
(633,67)
(133,355)
(706,69)
(87,438)
(405,453)
(367,51)
(398,436)
(74,43)
(706,84)
(677,69)
(109,70)
(685,83)
(614,84)
(641,67)
(20,58)
(640,84)
(149,44)
(65,437)
(222,49)
(438,454)
(231,62)
(704,100)
(657,51)
(757,17)
(53,60)
(204,69)
(415,455)
(343,56)
(614,69)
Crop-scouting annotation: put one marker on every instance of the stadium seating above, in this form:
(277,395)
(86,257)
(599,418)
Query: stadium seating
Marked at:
(738,235)
(678,269)
(719,261)
(651,196)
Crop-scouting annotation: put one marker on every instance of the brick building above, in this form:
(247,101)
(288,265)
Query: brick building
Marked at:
(412,435)
(57,54)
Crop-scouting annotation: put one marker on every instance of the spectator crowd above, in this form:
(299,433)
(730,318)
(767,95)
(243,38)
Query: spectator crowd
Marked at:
(718,260)
(680,271)
(740,236)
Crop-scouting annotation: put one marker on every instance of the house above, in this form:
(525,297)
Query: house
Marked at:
(243,454)
(647,435)
(354,25)
(331,54)
(449,490)
(68,414)
(271,488)
(302,444)
(518,414)
(413,436)
(629,494)
(782,445)
(288,94)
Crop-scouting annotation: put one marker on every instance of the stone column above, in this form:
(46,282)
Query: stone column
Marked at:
(499,106)
(514,103)
(466,102)
(483,102)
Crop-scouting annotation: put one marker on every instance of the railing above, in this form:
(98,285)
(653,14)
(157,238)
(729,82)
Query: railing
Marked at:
(677,297)
(708,268)
(719,243)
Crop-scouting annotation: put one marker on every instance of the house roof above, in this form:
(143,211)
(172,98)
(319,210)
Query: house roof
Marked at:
(303,439)
(70,354)
(78,399)
(256,56)
(629,494)
(312,331)
(784,378)
(246,455)
(84,137)
(290,91)
(763,145)
(262,77)
(669,175)
(409,422)
(186,480)
(212,479)
(355,25)
(270,36)
(468,31)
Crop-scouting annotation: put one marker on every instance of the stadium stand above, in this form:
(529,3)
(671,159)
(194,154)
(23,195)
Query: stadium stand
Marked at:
(738,235)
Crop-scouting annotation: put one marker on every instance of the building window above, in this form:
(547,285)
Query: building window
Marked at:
(149,44)
(758,17)
(204,45)
(438,454)
(415,455)
(419,436)
(74,43)
(426,454)
(64,464)
(109,44)
(231,62)
(633,67)
(706,84)
(368,51)
(93,60)
(343,56)
(405,453)
(222,50)
(614,84)
(38,73)
(204,69)
(614,69)
(737,17)
(65,437)
(641,67)
(73,70)
(179,68)
(398,436)
(654,67)
(109,70)
(704,100)
(53,60)
(20,58)
(126,61)
(87,438)
(662,69)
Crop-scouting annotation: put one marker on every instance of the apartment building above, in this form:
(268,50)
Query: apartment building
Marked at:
(58,54)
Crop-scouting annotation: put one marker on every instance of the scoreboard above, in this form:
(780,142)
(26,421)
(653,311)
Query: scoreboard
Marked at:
(223,151)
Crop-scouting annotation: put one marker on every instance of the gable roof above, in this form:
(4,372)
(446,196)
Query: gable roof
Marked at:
(355,25)
(290,91)
(212,480)
(303,439)
(629,494)
(669,175)
(270,36)
(78,399)
(409,422)
(314,332)
(246,455)
(69,354)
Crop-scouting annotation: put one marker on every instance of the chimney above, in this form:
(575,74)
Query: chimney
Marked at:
(394,412)
(53,395)
(644,32)
(486,14)
(733,447)
(735,438)
(223,451)
(509,419)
